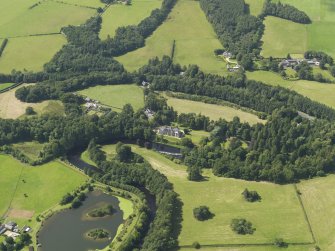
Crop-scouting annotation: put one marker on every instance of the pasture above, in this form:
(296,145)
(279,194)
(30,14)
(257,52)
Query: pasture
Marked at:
(279,207)
(276,39)
(214,112)
(195,41)
(320,34)
(46,17)
(116,96)
(319,92)
(30,53)
(318,197)
(11,107)
(88,3)
(118,15)
(17,179)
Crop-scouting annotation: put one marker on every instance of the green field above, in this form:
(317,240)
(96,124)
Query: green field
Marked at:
(280,35)
(30,53)
(47,17)
(11,107)
(214,112)
(255,6)
(5,85)
(194,36)
(279,207)
(277,42)
(54,179)
(318,197)
(116,96)
(320,92)
(30,149)
(118,15)
(89,3)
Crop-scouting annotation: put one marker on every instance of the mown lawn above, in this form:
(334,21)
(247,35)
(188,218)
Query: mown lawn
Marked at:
(116,96)
(194,36)
(279,207)
(214,112)
(320,92)
(5,85)
(30,53)
(118,15)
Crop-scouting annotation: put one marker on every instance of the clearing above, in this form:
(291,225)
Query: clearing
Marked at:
(116,96)
(214,112)
(255,6)
(30,149)
(11,107)
(118,15)
(195,41)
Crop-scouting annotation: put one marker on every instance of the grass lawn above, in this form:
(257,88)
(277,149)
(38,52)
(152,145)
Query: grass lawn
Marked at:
(30,149)
(126,206)
(5,85)
(11,107)
(279,207)
(86,157)
(116,96)
(255,6)
(318,196)
(118,15)
(194,36)
(214,112)
(30,53)
(277,42)
(320,92)
(110,151)
(47,17)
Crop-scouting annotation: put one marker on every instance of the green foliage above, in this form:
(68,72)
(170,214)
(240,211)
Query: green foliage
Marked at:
(30,111)
(285,11)
(279,242)
(242,226)
(124,153)
(103,211)
(202,213)
(251,196)
(194,173)
(98,234)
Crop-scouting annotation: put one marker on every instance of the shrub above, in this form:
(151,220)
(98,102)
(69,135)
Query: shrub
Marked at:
(202,213)
(279,242)
(251,196)
(196,245)
(242,226)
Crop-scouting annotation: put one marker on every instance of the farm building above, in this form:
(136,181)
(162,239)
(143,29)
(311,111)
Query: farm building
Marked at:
(149,113)
(294,62)
(170,131)
(227,54)
(11,225)
(234,68)
(2,229)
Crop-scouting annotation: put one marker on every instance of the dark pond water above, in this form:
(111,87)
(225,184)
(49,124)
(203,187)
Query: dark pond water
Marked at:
(66,231)
(167,149)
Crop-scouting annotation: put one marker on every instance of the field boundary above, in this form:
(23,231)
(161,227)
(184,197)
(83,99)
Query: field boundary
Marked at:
(173,49)
(305,212)
(77,5)
(10,87)
(35,35)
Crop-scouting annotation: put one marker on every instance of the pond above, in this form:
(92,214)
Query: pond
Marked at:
(67,230)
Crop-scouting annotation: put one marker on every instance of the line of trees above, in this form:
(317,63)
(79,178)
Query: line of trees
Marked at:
(165,76)
(285,11)
(3,46)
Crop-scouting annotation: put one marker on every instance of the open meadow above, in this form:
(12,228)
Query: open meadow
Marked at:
(23,186)
(30,149)
(320,92)
(118,15)
(214,112)
(5,85)
(280,34)
(116,96)
(279,207)
(195,41)
(255,6)
(88,3)
(30,53)
(11,107)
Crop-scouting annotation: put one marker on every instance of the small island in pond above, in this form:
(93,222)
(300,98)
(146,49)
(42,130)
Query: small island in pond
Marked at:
(98,234)
(102,211)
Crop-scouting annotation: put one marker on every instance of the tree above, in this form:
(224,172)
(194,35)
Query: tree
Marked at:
(279,242)
(194,173)
(30,111)
(202,213)
(242,226)
(251,196)
(124,153)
